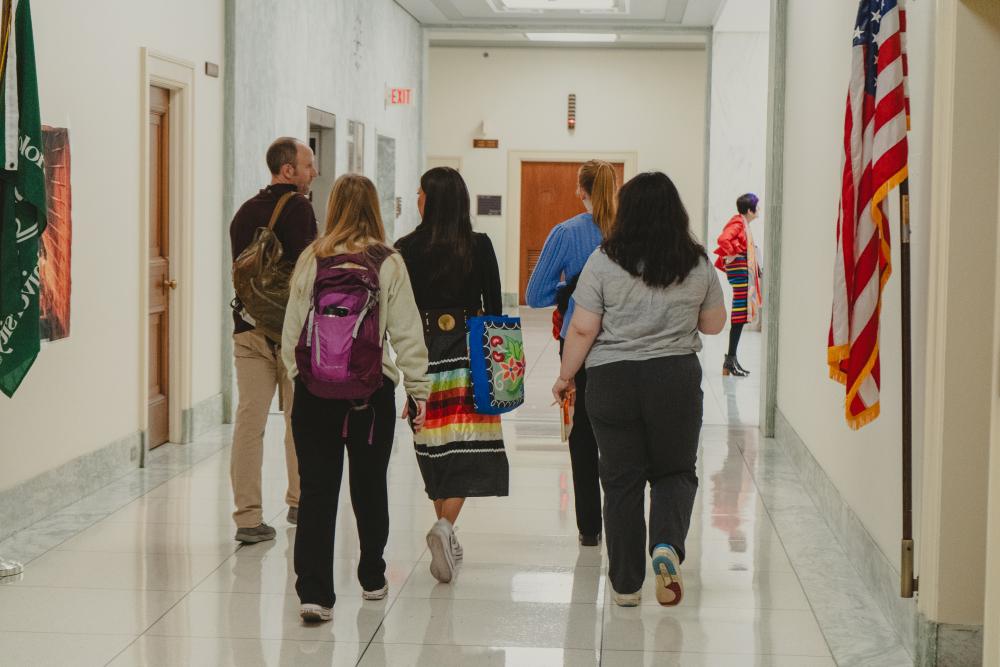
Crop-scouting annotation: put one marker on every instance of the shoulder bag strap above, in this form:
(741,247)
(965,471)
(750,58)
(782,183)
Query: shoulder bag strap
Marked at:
(277,209)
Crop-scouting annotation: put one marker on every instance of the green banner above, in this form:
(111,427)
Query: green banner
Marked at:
(22,197)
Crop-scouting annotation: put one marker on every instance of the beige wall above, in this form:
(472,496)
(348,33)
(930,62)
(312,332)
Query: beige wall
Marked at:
(82,392)
(967,169)
(991,621)
(650,102)
(864,465)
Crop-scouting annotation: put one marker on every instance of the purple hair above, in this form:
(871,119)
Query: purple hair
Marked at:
(746,203)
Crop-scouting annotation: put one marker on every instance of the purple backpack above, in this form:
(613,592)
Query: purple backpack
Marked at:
(339,354)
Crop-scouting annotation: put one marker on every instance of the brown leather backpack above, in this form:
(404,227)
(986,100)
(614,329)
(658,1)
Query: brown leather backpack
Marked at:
(261,279)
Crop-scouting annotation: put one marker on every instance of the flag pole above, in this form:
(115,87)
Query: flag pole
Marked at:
(908,583)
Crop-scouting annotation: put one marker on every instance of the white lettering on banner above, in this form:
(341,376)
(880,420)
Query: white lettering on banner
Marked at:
(22,234)
(6,331)
(31,153)
(10,323)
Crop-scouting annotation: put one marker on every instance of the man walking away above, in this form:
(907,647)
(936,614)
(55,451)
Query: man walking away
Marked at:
(258,359)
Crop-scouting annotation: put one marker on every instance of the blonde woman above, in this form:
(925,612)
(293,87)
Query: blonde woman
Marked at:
(566,250)
(325,427)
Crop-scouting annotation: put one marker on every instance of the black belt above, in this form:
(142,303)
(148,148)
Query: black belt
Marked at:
(446,320)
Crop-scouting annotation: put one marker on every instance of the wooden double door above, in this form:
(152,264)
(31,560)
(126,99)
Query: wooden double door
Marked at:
(548,197)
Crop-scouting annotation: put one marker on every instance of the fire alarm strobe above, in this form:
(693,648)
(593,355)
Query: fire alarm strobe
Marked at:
(571,112)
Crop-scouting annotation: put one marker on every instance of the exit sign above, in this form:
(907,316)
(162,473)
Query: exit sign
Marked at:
(400,96)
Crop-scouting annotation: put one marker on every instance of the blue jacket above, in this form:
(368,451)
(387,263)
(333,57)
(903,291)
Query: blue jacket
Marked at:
(568,247)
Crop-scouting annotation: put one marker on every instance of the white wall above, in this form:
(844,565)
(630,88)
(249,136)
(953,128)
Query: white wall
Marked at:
(864,465)
(82,392)
(738,129)
(335,56)
(646,101)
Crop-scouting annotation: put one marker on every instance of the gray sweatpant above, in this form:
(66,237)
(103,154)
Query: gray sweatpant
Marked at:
(647,419)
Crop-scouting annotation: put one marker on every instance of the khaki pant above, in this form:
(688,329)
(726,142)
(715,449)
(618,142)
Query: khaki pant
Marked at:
(258,371)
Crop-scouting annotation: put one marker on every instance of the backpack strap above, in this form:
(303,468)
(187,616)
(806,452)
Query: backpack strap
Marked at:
(377,254)
(279,208)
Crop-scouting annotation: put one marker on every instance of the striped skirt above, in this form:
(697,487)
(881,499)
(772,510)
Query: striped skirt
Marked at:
(739,277)
(460,452)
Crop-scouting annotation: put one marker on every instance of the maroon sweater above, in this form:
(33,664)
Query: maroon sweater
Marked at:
(295,228)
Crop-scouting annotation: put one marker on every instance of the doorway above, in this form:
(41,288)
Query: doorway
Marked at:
(385,182)
(160,283)
(166,250)
(548,197)
(322,141)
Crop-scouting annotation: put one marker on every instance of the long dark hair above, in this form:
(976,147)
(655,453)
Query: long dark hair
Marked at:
(446,228)
(651,238)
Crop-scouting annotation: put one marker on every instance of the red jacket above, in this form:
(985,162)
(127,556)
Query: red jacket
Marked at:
(732,241)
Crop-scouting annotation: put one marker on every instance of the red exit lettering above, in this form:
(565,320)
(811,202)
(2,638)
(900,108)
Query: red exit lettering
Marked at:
(399,96)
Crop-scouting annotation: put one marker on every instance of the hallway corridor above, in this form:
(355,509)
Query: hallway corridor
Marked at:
(145,571)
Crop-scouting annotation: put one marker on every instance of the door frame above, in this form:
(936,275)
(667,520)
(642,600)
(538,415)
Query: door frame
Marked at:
(178,77)
(512,268)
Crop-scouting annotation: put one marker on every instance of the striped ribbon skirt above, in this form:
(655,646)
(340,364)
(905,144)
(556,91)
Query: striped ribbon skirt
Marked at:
(739,277)
(460,452)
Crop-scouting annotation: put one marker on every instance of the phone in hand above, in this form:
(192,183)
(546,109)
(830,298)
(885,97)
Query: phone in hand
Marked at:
(411,406)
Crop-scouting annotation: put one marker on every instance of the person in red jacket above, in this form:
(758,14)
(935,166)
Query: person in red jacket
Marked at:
(738,260)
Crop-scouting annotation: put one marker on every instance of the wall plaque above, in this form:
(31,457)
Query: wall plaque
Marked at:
(486,143)
(488,205)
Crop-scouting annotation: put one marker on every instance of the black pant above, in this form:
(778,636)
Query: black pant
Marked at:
(584,460)
(317,424)
(647,418)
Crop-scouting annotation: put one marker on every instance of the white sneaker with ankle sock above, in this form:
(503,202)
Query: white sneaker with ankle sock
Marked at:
(442,559)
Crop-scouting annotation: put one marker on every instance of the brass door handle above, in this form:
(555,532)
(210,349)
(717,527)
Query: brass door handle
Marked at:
(169,284)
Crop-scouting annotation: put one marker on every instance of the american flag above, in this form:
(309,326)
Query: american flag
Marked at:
(875,162)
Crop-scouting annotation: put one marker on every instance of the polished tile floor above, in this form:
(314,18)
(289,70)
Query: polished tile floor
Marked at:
(145,572)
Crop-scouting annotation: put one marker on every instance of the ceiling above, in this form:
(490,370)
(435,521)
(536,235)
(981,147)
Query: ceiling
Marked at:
(565,13)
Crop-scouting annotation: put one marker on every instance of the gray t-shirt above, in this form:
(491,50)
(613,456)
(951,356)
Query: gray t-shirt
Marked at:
(643,322)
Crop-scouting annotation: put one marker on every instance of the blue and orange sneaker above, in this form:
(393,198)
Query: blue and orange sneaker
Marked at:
(667,570)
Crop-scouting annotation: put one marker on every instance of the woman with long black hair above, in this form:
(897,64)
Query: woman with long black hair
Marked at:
(455,276)
(641,302)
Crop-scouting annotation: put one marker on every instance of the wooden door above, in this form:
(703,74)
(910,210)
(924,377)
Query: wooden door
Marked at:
(160,284)
(548,197)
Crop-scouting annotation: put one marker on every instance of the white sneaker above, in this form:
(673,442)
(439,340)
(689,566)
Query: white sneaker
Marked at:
(456,549)
(379,594)
(442,559)
(627,599)
(667,570)
(313,613)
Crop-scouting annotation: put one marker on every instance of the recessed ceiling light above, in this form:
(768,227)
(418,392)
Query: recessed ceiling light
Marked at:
(569,5)
(571,36)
